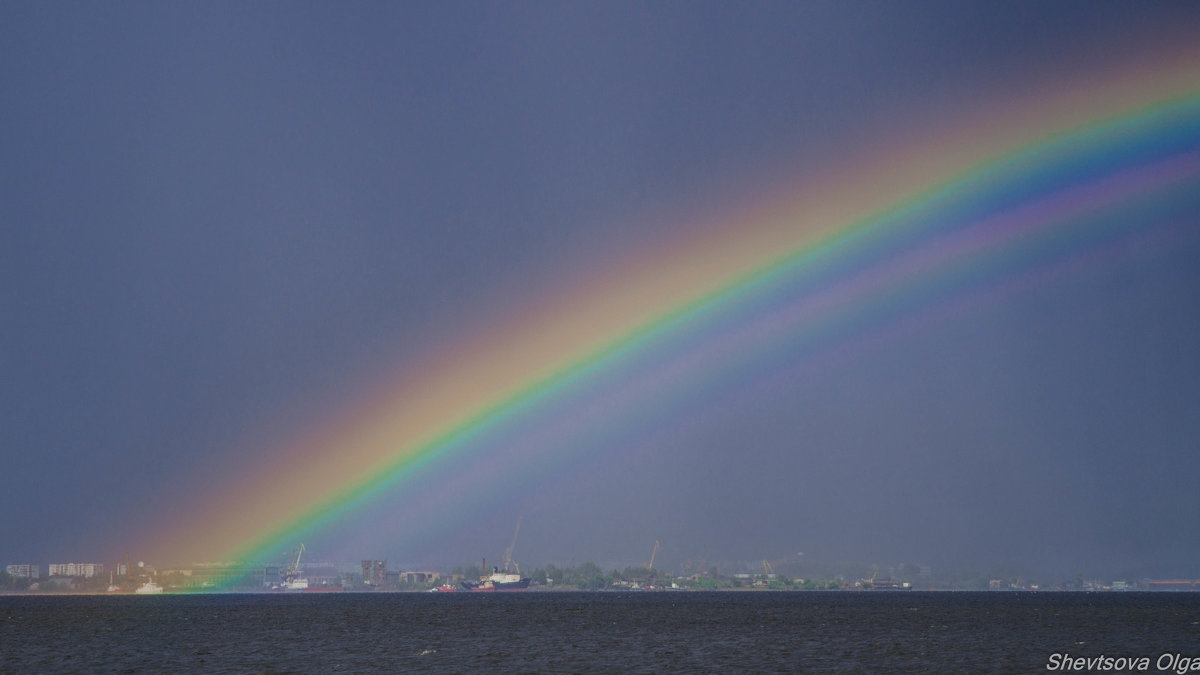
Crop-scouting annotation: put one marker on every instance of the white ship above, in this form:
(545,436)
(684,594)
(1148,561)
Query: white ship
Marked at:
(497,581)
(149,588)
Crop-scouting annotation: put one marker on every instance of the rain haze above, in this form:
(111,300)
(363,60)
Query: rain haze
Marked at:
(240,238)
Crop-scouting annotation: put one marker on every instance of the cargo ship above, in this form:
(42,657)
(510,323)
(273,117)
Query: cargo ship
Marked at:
(496,581)
(324,589)
(149,588)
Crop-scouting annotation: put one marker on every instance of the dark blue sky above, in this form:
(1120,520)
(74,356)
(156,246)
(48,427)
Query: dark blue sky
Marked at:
(219,221)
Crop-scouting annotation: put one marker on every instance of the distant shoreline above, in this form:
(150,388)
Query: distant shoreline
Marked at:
(76,594)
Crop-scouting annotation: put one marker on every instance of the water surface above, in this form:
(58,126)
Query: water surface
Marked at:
(571,632)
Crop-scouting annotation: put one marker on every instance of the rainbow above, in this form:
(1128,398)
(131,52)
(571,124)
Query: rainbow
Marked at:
(880,237)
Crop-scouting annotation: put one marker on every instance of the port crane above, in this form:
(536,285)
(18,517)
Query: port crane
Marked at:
(509,551)
(870,583)
(293,570)
(654,552)
(781,565)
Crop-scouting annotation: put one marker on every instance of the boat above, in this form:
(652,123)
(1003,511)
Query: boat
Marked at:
(444,588)
(324,589)
(496,581)
(149,588)
(292,581)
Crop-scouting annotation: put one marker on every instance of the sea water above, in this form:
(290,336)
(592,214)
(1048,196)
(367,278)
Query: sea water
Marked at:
(600,632)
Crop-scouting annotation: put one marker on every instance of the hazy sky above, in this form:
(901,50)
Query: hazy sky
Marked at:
(222,222)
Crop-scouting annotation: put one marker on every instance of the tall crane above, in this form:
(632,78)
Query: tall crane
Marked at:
(513,544)
(784,565)
(653,553)
(293,570)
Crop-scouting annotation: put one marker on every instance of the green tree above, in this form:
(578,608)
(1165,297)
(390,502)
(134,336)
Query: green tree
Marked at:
(588,570)
(638,573)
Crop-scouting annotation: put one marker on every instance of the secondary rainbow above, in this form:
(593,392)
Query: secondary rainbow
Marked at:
(878,231)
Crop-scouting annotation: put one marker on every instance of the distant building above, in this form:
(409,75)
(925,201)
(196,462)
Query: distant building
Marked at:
(86,570)
(210,575)
(323,574)
(374,572)
(23,571)
(1173,584)
(418,577)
